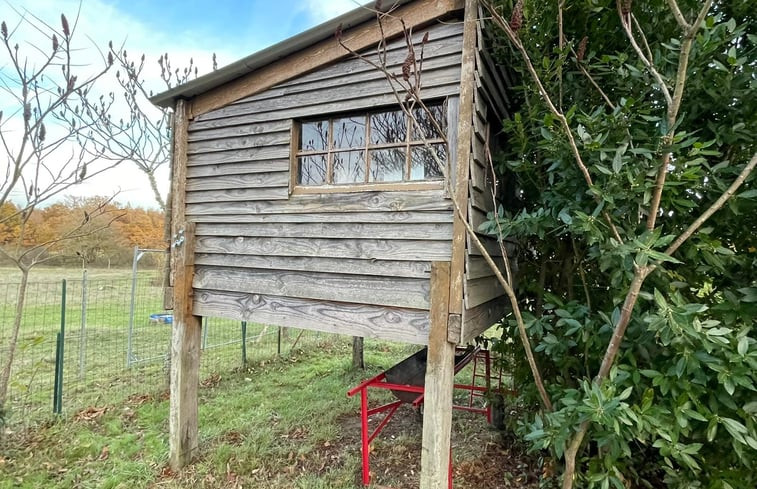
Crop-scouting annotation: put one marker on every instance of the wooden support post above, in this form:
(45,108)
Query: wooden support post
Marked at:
(187,328)
(437,407)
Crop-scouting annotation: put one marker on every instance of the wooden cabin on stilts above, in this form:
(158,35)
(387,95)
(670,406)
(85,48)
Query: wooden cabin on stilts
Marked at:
(304,196)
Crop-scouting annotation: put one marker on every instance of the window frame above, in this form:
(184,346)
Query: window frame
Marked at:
(367,148)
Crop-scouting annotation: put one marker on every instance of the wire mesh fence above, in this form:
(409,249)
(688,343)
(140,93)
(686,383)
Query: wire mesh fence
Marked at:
(114,343)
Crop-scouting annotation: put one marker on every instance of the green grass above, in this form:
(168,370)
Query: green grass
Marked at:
(95,350)
(275,424)
(279,423)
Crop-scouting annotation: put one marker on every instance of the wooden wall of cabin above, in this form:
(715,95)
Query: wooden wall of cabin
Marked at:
(484,299)
(350,263)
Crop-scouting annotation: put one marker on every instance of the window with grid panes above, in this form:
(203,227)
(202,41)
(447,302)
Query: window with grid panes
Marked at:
(372,147)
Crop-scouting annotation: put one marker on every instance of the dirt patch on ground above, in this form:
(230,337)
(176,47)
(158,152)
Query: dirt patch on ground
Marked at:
(481,457)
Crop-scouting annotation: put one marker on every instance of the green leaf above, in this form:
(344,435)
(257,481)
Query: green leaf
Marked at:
(751,442)
(718,331)
(562,313)
(626,393)
(731,24)
(735,428)
(748,194)
(712,430)
(650,374)
(743,345)
(617,161)
(656,255)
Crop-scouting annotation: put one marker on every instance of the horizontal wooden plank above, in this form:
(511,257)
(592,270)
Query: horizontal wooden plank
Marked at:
(481,109)
(479,151)
(425,200)
(349,217)
(389,323)
(366,249)
(476,217)
(440,36)
(238,195)
(478,176)
(328,107)
(250,180)
(482,317)
(481,290)
(280,151)
(420,231)
(480,126)
(444,40)
(481,200)
(385,268)
(348,90)
(237,131)
(490,244)
(496,75)
(240,168)
(363,72)
(239,142)
(361,289)
(492,99)
(477,267)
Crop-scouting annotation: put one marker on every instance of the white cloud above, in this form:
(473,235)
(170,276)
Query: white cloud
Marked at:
(98,23)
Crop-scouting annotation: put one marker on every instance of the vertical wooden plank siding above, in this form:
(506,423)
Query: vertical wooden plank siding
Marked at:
(464,137)
(185,341)
(437,409)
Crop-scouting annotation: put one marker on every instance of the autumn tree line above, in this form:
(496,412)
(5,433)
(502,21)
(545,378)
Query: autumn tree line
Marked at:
(109,232)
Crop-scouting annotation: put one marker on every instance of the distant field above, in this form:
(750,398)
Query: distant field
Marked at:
(56,274)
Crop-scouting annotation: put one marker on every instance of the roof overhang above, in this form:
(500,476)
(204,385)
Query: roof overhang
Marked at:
(271,54)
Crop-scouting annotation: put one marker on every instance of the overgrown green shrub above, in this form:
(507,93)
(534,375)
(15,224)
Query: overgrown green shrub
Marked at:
(679,407)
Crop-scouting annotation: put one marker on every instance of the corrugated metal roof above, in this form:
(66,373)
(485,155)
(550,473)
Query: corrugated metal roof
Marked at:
(271,54)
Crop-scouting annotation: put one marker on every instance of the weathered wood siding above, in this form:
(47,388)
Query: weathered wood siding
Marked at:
(484,299)
(352,263)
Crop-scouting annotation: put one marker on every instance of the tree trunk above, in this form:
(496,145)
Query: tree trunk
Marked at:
(5,376)
(357,353)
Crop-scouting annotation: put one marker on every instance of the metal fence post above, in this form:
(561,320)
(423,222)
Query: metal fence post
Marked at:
(204,333)
(58,387)
(278,341)
(244,342)
(83,331)
(129,345)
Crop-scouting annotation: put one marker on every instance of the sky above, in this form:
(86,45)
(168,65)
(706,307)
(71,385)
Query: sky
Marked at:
(232,29)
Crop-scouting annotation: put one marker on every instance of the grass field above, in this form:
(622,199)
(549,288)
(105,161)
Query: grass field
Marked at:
(106,352)
(284,423)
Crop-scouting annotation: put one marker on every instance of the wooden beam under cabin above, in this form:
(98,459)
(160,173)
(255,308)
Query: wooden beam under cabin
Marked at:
(463,156)
(322,53)
(186,331)
(437,404)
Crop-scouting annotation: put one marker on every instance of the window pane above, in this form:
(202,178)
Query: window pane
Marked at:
(423,166)
(315,136)
(387,165)
(388,127)
(426,128)
(349,132)
(312,170)
(349,167)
